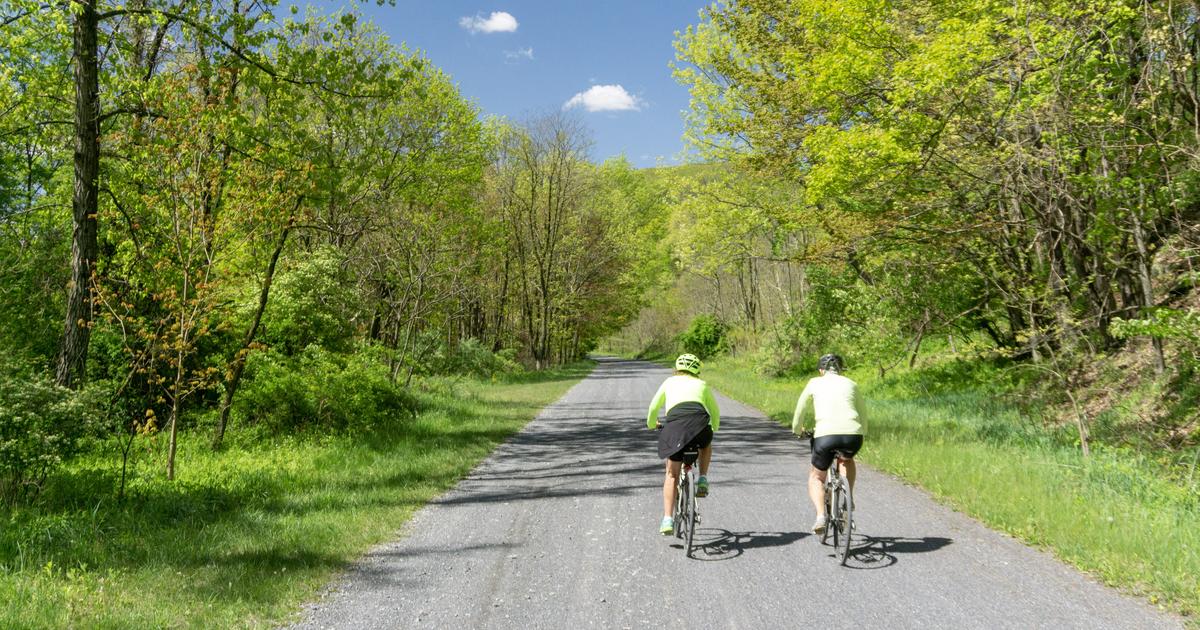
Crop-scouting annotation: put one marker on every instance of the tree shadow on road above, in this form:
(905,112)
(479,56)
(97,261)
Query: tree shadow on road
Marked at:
(879,552)
(713,544)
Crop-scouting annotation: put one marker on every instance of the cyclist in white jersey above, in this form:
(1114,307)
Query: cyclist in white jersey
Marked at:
(838,410)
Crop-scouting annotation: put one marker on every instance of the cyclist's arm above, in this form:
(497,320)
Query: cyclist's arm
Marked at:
(714,413)
(797,417)
(656,403)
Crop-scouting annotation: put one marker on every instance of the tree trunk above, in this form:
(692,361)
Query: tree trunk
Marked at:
(234,377)
(72,358)
(1139,237)
(498,340)
(912,361)
(174,424)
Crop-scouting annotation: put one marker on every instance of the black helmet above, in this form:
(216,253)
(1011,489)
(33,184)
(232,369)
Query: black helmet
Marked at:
(831,363)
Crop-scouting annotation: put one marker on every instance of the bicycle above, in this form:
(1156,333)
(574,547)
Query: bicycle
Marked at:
(685,514)
(839,506)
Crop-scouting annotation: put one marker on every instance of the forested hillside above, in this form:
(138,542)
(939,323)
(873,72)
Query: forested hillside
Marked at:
(1009,181)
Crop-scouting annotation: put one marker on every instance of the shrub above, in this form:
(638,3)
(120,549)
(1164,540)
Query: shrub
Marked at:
(311,303)
(431,355)
(1181,326)
(705,337)
(323,390)
(40,428)
(470,356)
(782,354)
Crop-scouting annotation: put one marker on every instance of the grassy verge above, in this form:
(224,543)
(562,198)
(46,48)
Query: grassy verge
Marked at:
(1116,515)
(242,537)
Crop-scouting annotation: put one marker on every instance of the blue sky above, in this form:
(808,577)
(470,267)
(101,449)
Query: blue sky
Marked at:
(518,58)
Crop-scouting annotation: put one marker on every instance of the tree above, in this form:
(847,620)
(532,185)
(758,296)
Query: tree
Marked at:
(541,182)
(1029,141)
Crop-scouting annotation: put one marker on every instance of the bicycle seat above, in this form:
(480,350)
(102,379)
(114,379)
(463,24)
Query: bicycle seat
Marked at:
(690,456)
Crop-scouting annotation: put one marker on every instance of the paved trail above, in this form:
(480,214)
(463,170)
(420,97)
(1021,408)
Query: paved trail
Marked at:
(558,529)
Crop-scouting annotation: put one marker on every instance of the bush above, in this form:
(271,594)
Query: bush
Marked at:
(40,428)
(782,355)
(1180,326)
(431,356)
(319,389)
(705,337)
(470,356)
(311,304)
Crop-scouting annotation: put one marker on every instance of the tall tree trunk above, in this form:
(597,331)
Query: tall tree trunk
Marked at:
(177,388)
(1143,261)
(72,358)
(498,340)
(173,441)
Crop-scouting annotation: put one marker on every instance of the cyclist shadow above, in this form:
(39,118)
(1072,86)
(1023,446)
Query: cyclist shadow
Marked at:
(879,552)
(713,544)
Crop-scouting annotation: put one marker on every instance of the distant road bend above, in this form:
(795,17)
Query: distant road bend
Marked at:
(558,529)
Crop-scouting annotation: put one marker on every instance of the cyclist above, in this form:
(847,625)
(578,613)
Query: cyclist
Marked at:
(692,417)
(838,410)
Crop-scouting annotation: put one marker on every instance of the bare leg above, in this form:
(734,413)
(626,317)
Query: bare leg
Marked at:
(816,489)
(848,470)
(672,478)
(705,458)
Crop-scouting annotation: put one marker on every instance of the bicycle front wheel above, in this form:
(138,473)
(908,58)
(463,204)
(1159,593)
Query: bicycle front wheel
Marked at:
(845,523)
(829,514)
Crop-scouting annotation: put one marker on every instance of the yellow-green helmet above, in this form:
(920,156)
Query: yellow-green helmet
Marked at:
(688,363)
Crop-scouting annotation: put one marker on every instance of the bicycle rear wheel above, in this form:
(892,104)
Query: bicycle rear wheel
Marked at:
(691,514)
(681,499)
(845,520)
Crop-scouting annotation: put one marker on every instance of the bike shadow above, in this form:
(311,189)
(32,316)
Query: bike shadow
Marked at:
(880,552)
(713,544)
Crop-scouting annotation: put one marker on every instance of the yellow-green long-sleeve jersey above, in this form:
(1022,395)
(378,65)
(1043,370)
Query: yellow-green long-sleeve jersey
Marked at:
(836,405)
(680,389)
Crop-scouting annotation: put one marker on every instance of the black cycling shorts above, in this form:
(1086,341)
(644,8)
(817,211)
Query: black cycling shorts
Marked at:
(702,440)
(823,448)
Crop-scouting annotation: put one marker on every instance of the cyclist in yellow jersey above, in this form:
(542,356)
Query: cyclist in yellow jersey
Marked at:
(838,411)
(692,417)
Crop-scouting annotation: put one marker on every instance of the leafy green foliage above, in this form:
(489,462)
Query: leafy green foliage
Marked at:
(1174,324)
(705,337)
(41,425)
(313,303)
(296,187)
(929,136)
(319,390)
(469,357)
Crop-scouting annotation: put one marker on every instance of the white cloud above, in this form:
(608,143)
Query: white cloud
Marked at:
(497,22)
(520,53)
(605,98)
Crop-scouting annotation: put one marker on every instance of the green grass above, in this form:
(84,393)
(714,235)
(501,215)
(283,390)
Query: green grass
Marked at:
(1117,515)
(244,536)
